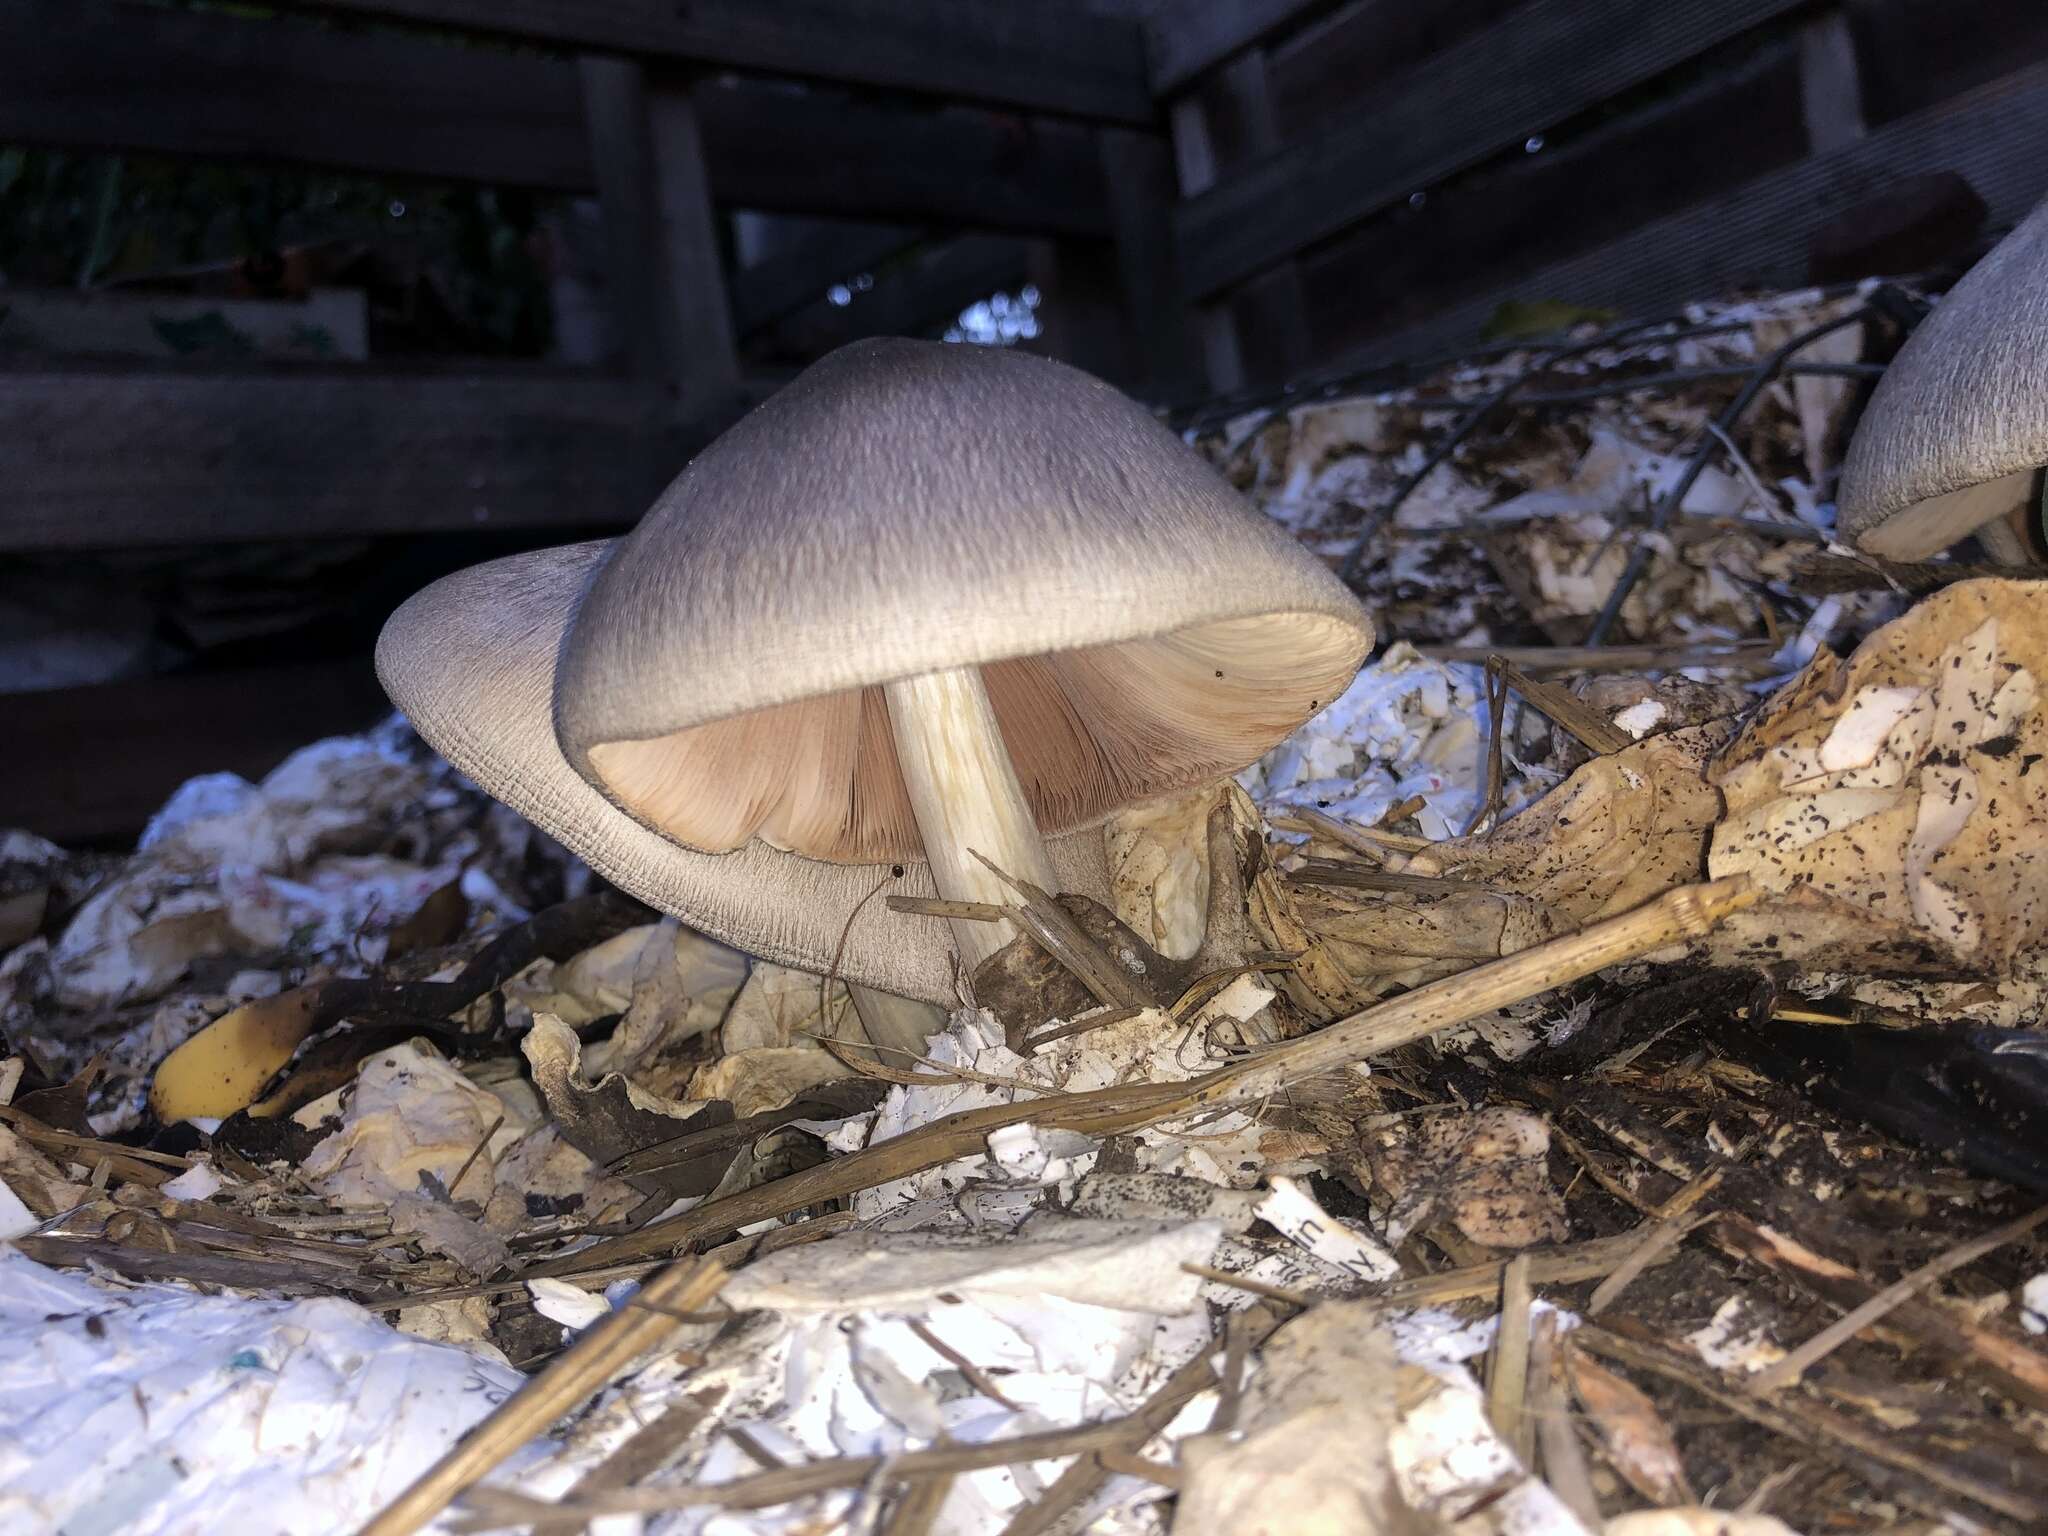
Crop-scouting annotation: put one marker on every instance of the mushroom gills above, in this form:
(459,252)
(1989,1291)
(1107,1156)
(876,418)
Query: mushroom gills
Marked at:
(1085,731)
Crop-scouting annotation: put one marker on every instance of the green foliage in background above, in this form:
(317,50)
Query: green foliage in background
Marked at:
(71,219)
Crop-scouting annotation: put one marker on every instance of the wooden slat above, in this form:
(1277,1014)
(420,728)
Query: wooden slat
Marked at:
(1527,212)
(94,764)
(102,459)
(1139,172)
(667,277)
(1756,235)
(96,75)
(1323,71)
(812,152)
(92,75)
(1545,62)
(696,320)
(1048,55)
(1192,37)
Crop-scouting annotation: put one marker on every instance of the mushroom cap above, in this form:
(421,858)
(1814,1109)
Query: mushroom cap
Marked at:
(909,507)
(471,662)
(1958,425)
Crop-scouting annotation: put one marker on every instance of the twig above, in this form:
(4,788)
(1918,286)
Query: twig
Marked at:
(1053,928)
(1610,658)
(2008,1364)
(1888,1461)
(1564,1460)
(1684,914)
(1374,842)
(1130,1464)
(1668,504)
(1547,1266)
(976,1376)
(599,1353)
(1247,1284)
(1101,1018)
(1081,1481)
(1746,469)
(963,911)
(917,1512)
(1507,1364)
(1798,1362)
(781,1484)
(1563,708)
(1658,1243)
(476,1152)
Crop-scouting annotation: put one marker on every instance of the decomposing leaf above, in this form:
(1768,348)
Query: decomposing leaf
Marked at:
(437,921)
(612,1118)
(1308,1452)
(1638,1441)
(1624,828)
(1893,806)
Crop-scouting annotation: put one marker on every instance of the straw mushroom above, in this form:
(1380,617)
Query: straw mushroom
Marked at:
(1956,433)
(929,606)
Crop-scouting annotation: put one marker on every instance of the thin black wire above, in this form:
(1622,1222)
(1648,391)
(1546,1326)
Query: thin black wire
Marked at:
(1732,413)
(1447,444)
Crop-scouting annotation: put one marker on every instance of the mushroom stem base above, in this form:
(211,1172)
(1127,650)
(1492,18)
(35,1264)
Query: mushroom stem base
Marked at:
(966,798)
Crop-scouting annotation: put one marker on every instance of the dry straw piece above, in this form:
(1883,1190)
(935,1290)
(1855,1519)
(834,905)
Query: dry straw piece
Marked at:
(912,552)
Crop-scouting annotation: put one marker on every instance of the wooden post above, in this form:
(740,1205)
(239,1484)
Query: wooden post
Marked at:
(1194,160)
(1831,90)
(1137,172)
(1275,297)
(667,284)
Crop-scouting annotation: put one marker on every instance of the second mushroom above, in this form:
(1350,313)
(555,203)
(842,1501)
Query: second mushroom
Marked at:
(930,609)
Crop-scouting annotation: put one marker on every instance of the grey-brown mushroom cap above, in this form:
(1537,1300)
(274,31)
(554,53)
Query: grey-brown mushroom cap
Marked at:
(470,661)
(907,507)
(1959,422)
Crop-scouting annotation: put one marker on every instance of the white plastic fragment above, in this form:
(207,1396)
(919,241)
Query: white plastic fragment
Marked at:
(1733,1341)
(16,1219)
(2034,1304)
(1447,1460)
(153,1410)
(570,1305)
(1294,1211)
(199,1182)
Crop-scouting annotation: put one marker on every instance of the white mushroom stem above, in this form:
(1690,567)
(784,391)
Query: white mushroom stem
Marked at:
(966,798)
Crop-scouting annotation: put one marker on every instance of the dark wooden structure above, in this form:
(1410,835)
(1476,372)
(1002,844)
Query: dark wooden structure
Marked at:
(1215,195)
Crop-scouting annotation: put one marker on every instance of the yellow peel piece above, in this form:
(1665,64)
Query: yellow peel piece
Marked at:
(224,1067)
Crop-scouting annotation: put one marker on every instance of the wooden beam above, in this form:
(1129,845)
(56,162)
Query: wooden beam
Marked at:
(703,364)
(1139,172)
(1046,55)
(93,764)
(90,75)
(1757,234)
(794,151)
(1830,86)
(1189,39)
(798,276)
(1546,61)
(97,75)
(667,277)
(1524,212)
(99,459)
